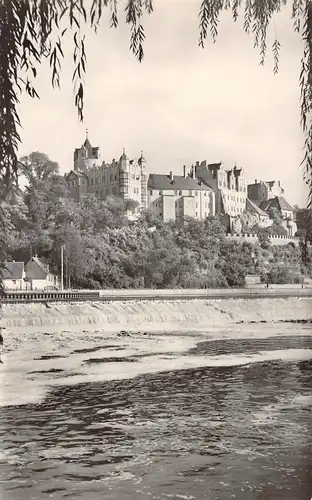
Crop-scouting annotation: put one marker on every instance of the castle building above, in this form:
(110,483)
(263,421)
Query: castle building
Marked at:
(171,197)
(124,178)
(259,192)
(229,186)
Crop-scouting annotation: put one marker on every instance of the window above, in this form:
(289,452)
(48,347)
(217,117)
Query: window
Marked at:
(205,194)
(115,177)
(190,193)
(160,192)
(180,193)
(151,192)
(196,193)
(196,205)
(132,176)
(175,193)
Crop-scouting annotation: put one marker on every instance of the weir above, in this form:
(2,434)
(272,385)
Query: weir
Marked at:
(156,315)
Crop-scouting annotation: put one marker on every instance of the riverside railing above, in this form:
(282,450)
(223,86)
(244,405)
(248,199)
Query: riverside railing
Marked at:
(259,291)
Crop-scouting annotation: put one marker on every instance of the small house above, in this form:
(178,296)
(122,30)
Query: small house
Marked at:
(39,276)
(13,276)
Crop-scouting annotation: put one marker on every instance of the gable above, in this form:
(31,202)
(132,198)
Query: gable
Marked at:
(34,271)
(13,271)
(71,175)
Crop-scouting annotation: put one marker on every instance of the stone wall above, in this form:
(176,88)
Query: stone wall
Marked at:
(274,239)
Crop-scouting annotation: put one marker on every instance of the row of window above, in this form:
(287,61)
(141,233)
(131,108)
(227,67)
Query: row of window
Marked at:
(178,214)
(179,193)
(224,184)
(236,198)
(95,181)
(238,210)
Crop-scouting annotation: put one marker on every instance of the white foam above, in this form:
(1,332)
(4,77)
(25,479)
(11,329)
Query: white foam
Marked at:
(157,364)
(151,315)
(152,354)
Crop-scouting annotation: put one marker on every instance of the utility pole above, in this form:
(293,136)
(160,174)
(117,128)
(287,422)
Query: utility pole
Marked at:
(62,268)
(66,271)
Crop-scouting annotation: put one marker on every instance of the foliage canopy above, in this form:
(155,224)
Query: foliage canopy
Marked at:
(33,30)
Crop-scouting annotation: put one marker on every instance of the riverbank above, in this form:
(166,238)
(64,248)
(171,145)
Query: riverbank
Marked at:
(145,315)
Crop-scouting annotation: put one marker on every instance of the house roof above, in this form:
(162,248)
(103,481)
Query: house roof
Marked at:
(76,173)
(284,204)
(41,263)
(178,182)
(278,202)
(255,208)
(13,270)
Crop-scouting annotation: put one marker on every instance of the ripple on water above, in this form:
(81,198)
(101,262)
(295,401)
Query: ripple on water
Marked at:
(222,428)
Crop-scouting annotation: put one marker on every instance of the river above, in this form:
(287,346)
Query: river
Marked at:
(222,414)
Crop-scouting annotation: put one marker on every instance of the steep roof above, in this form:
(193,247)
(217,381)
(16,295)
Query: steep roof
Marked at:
(178,182)
(87,144)
(284,204)
(13,270)
(41,263)
(76,173)
(278,202)
(255,208)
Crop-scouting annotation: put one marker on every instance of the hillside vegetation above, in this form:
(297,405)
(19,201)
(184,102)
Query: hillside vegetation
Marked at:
(104,249)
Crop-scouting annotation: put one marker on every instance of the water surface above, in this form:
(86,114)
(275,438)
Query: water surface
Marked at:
(158,416)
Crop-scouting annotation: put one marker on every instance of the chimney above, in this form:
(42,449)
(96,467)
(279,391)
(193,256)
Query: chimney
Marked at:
(184,171)
(256,181)
(279,183)
(193,172)
(171,175)
(197,164)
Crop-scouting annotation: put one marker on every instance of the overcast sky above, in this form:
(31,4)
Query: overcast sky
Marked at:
(182,104)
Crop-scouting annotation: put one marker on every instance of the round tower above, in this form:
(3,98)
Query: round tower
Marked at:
(143,171)
(124,175)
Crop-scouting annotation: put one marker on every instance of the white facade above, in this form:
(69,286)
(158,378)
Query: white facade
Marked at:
(13,276)
(12,284)
(229,185)
(171,197)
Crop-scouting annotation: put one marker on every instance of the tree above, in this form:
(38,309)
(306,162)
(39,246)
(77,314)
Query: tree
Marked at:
(31,31)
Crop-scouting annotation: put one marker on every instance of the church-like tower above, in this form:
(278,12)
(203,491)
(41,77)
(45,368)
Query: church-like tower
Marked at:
(126,178)
(86,156)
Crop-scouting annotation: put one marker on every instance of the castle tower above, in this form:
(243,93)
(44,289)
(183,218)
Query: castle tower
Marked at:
(143,173)
(86,156)
(124,176)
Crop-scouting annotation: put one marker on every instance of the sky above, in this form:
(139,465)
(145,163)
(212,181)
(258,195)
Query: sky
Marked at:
(182,104)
